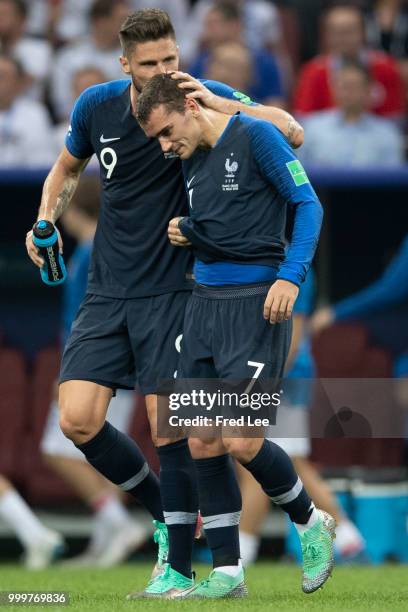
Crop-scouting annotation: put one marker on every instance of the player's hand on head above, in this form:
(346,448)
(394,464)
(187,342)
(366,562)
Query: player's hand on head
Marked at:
(322,318)
(174,233)
(280,300)
(199,91)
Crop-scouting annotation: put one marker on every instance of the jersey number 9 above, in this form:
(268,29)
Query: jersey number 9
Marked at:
(110,162)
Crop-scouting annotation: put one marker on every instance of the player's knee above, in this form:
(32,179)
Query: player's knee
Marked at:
(242,449)
(196,447)
(77,426)
(203,449)
(71,429)
(83,406)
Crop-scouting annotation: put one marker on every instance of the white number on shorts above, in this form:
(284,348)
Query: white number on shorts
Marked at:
(258,369)
(178,343)
(178,348)
(113,160)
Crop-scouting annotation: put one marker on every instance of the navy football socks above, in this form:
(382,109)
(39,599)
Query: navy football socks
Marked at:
(178,487)
(273,469)
(220,506)
(117,457)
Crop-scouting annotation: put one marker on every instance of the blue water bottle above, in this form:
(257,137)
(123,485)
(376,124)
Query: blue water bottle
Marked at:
(45,237)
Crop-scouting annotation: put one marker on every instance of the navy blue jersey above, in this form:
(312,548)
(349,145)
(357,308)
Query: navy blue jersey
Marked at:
(142,190)
(238,194)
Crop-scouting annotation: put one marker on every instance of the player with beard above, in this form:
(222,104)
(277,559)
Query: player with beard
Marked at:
(129,325)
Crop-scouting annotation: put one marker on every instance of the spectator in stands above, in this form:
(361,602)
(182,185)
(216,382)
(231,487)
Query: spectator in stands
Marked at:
(261,26)
(61,21)
(64,21)
(404,75)
(41,545)
(387,27)
(26,137)
(307,14)
(114,534)
(178,11)
(224,24)
(101,47)
(33,54)
(231,63)
(81,80)
(344,38)
(349,135)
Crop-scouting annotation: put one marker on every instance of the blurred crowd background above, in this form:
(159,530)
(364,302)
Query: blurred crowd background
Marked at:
(342,69)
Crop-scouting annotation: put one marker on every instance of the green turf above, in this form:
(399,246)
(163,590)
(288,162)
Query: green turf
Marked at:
(271,586)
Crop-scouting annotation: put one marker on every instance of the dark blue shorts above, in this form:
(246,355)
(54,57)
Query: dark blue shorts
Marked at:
(225,335)
(123,343)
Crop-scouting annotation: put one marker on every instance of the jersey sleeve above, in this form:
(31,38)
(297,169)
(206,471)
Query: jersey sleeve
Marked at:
(391,288)
(284,171)
(225,91)
(78,141)
(305,300)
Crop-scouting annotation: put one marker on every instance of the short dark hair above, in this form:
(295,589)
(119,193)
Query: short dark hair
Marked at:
(144,26)
(102,8)
(88,195)
(229,9)
(20,6)
(161,89)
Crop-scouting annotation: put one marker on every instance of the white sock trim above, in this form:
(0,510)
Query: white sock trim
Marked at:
(230,570)
(313,518)
(249,545)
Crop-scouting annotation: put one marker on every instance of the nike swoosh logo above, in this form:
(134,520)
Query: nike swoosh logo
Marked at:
(102,139)
(190,181)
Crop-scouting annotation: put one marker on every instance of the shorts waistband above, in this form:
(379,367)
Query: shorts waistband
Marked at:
(229,293)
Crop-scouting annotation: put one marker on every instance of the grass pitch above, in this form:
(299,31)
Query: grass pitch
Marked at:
(272,587)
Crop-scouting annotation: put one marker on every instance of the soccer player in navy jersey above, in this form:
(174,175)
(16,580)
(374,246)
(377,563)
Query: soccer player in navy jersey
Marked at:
(241,176)
(129,325)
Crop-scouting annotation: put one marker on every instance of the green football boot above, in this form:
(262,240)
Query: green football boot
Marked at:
(161,538)
(166,585)
(317,552)
(218,586)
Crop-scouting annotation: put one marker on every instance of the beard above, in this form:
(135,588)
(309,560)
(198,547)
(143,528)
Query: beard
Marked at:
(137,84)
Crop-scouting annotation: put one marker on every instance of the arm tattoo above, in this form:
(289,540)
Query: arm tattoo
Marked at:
(65,196)
(53,206)
(292,129)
